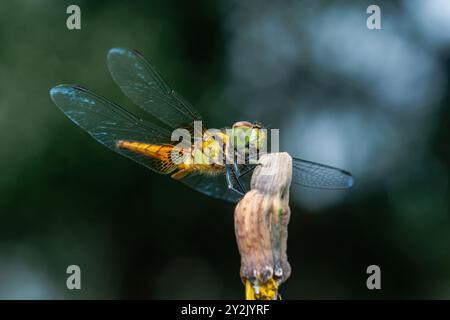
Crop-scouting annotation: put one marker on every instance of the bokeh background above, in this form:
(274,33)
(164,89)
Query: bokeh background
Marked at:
(375,102)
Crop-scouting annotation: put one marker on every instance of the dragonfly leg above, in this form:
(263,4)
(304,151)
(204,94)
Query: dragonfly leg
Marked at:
(237,175)
(247,170)
(230,176)
(236,169)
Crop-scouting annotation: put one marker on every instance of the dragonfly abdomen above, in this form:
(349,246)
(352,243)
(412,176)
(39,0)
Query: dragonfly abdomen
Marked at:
(161,153)
(158,151)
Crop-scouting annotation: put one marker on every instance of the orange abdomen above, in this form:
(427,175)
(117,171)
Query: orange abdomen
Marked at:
(157,151)
(161,154)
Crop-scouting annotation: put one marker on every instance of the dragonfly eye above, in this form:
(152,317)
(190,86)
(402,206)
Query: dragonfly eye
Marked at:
(242,124)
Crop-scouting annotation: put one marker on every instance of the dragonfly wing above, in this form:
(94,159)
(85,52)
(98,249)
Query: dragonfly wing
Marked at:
(315,175)
(107,122)
(146,88)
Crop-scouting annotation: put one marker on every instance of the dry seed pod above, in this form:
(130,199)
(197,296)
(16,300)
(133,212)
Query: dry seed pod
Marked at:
(261,220)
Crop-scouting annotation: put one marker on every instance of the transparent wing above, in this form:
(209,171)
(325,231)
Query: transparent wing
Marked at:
(315,175)
(107,122)
(146,88)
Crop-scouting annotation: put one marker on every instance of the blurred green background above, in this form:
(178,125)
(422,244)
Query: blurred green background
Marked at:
(375,102)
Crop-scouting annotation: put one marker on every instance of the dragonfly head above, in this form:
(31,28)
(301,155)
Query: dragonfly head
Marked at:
(248,135)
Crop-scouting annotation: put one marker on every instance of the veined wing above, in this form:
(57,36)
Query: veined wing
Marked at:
(315,175)
(108,123)
(145,87)
(305,173)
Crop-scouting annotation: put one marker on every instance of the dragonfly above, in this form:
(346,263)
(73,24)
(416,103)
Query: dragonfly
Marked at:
(149,142)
